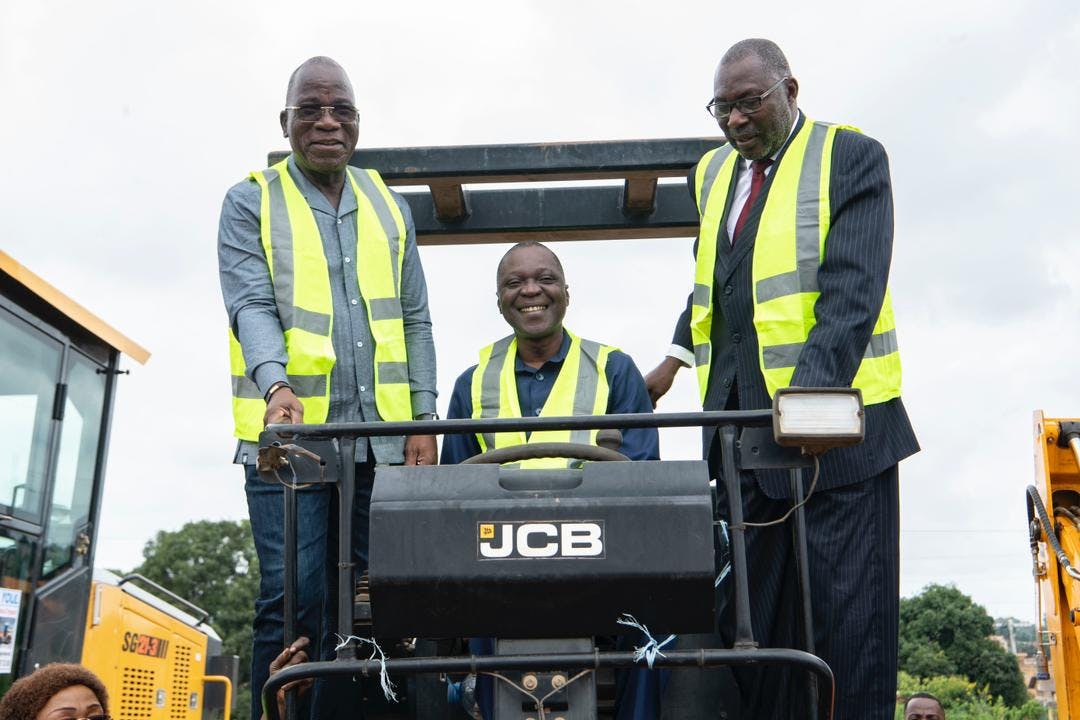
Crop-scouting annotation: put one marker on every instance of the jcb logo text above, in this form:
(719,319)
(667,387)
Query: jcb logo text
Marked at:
(553,539)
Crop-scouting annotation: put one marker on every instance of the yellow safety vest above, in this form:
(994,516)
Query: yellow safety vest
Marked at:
(301,278)
(788,249)
(580,389)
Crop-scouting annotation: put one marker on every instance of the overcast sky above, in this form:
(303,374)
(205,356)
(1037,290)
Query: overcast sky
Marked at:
(125,123)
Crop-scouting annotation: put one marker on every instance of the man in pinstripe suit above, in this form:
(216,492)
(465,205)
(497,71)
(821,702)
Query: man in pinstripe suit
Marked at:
(815,200)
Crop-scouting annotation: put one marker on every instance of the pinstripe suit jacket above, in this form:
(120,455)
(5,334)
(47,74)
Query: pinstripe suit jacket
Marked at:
(852,279)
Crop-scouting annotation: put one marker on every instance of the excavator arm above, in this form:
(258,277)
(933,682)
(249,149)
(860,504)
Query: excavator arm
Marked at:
(1054,523)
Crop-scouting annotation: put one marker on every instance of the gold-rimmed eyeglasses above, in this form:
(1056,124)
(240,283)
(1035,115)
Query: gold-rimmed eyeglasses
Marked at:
(344,114)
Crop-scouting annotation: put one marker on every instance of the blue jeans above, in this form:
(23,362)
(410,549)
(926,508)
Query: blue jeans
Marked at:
(316,570)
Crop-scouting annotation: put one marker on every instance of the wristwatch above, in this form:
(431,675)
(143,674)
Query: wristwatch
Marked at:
(427,416)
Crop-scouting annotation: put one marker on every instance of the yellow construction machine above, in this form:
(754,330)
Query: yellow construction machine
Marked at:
(59,366)
(1054,524)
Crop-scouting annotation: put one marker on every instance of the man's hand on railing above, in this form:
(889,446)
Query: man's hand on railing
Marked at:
(292,655)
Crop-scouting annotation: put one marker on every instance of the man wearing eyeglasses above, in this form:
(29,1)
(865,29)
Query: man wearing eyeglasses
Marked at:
(328,322)
(791,288)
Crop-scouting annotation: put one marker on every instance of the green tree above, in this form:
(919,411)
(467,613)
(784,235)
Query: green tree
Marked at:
(943,632)
(214,566)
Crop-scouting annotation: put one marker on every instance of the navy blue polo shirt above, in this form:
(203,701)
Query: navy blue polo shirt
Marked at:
(626,394)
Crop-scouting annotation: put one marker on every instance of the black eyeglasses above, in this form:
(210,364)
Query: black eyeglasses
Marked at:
(747,106)
(344,114)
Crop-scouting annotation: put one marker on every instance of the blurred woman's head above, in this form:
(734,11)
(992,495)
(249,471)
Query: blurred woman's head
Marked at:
(56,692)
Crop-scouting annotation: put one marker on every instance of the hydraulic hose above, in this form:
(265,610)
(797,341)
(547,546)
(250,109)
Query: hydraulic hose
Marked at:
(1048,529)
(1069,515)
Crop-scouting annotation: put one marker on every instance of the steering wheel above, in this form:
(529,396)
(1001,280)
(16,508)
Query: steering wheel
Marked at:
(603,451)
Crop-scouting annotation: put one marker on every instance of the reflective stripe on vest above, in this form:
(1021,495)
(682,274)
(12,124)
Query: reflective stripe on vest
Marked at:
(580,389)
(789,246)
(301,279)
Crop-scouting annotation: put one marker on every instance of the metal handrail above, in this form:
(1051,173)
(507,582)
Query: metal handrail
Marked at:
(200,614)
(742,418)
(547,662)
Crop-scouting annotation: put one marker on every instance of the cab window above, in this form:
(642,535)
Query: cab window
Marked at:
(76,462)
(29,373)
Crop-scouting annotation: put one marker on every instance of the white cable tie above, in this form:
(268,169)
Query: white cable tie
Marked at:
(651,648)
(723,574)
(384,677)
(727,566)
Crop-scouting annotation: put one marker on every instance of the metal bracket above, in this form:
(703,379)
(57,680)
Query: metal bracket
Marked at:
(301,462)
(451,205)
(639,196)
(758,451)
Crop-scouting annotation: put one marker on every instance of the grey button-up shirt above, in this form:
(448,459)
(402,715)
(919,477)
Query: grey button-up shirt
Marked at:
(249,299)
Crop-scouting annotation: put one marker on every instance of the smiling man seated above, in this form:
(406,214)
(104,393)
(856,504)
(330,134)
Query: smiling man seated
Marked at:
(545,370)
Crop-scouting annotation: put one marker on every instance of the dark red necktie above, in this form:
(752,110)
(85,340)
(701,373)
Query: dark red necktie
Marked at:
(757,179)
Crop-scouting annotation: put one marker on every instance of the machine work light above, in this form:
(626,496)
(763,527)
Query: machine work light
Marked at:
(818,419)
